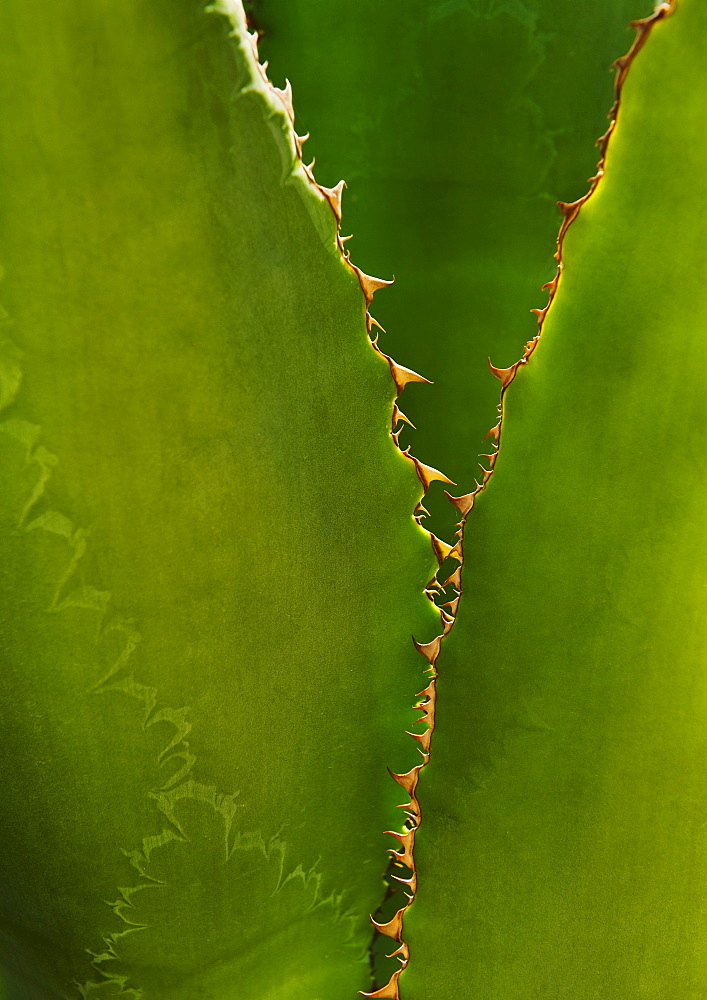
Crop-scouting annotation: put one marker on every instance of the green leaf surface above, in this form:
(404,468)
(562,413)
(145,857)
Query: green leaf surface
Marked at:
(562,851)
(209,569)
(457,125)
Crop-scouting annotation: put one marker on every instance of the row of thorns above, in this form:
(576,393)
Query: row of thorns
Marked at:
(443,582)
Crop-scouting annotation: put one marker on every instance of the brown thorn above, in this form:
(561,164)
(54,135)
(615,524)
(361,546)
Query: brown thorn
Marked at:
(427,718)
(504,375)
(399,415)
(413,818)
(285,95)
(487,472)
(402,376)
(455,579)
(412,808)
(369,284)
(390,991)
(412,881)
(333,196)
(253,39)
(430,692)
(409,780)
(569,210)
(371,320)
(440,548)
(407,841)
(394,927)
(422,738)
(427,474)
(402,951)
(463,503)
(430,650)
(456,552)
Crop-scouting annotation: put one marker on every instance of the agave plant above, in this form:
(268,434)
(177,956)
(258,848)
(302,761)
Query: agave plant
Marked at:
(220,532)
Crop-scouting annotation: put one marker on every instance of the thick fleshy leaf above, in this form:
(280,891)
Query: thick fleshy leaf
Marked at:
(562,851)
(458,126)
(210,570)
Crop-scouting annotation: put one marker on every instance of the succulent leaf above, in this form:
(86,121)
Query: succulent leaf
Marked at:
(211,572)
(566,791)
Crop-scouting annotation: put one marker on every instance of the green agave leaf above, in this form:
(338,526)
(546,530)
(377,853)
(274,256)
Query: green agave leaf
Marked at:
(457,125)
(562,850)
(210,571)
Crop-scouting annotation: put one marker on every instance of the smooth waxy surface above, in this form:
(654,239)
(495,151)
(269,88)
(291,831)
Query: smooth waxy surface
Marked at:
(562,851)
(210,573)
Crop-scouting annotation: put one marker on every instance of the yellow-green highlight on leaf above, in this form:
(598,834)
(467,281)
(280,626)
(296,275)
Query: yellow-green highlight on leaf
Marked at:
(210,571)
(562,852)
